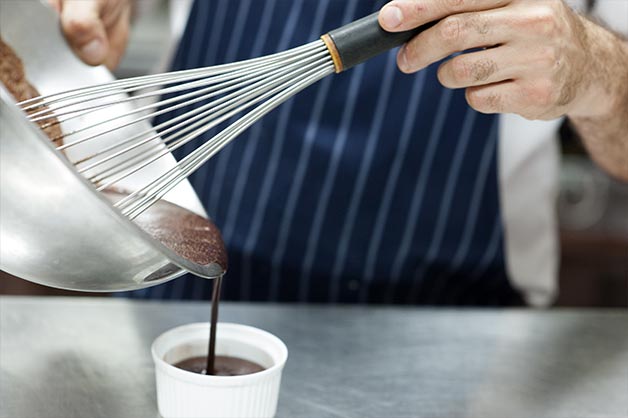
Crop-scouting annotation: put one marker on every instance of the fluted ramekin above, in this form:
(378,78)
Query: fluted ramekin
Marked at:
(182,393)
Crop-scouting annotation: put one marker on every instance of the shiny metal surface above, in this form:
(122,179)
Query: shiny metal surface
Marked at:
(90,357)
(55,229)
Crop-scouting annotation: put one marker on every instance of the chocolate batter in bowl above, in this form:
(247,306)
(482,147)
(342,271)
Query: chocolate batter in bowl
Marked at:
(55,228)
(14,78)
(189,235)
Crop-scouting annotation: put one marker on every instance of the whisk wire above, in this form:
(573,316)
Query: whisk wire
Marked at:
(200,100)
(211,111)
(221,88)
(231,85)
(164,79)
(159,187)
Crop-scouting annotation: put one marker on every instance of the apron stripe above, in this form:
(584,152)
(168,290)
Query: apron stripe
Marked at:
(215,190)
(321,209)
(384,211)
(256,131)
(417,196)
(271,169)
(239,29)
(375,131)
(210,45)
(445,203)
(207,44)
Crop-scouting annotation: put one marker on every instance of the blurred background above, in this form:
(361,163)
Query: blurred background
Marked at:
(592,207)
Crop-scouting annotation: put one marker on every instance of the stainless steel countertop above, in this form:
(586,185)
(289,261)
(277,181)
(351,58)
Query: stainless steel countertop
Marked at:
(89,357)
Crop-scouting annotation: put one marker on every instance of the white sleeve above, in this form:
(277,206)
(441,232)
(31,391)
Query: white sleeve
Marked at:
(614,14)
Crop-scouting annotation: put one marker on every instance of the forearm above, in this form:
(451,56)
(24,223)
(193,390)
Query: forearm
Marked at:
(603,123)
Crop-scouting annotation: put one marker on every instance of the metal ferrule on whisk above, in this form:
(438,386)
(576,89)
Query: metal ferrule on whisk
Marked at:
(363,39)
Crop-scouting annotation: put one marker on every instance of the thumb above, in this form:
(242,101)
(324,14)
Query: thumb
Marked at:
(85,30)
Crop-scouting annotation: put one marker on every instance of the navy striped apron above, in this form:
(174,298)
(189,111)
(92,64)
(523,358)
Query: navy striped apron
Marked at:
(370,187)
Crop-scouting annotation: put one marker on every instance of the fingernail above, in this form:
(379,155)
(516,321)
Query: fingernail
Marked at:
(391,16)
(94,51)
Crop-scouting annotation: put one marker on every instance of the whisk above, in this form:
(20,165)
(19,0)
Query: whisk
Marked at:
(222,92)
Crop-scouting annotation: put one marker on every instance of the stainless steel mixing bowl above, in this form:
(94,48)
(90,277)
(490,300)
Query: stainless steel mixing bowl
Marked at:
(55,228)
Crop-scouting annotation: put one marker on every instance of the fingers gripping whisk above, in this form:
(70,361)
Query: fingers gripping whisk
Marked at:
(200,100)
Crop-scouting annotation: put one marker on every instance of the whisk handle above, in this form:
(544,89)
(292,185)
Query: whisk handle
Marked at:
(358,41)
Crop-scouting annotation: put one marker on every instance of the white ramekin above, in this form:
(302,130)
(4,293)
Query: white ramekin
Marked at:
(185,394)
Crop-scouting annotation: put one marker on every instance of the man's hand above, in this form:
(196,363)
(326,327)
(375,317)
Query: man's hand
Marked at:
(97,30)
(533,59)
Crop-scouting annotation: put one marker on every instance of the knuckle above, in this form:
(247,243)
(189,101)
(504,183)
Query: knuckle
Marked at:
(493,102)
(464,71)
(483,69)
(542,94)
(545,20)
(455,4)
(78,27)
(418,10)
(545,13)
(451,29)
(548,57)
(480,22)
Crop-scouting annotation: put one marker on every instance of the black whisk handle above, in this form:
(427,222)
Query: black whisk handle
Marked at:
(358,41)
